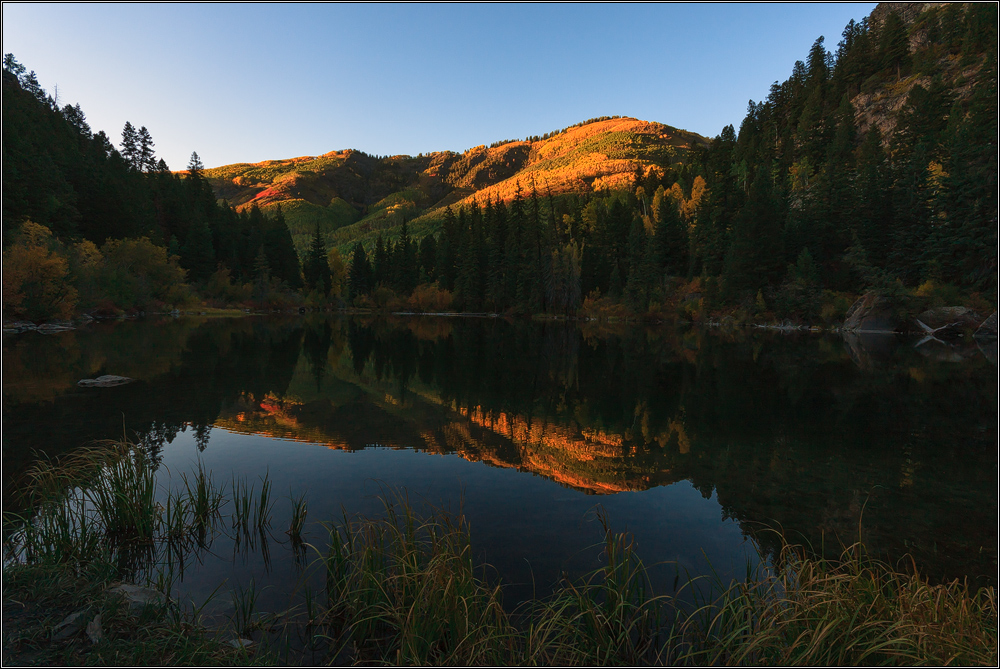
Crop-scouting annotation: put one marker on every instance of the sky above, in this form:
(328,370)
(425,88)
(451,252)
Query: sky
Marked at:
(252,82)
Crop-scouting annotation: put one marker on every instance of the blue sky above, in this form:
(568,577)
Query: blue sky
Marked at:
(244,83)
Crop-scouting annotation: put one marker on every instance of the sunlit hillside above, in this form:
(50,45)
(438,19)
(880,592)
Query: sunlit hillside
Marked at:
(351,195)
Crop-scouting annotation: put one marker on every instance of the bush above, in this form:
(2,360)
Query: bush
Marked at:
(35,277)
(429,297)
(939,294)
(221,287)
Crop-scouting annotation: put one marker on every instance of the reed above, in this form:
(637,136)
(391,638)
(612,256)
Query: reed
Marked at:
(300,510)
(403,588)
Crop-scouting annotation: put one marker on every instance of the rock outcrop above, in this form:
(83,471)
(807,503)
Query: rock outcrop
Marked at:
(871,313)
(988,328)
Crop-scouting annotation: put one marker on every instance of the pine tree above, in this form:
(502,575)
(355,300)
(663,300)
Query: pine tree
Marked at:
(381,265)
(409,272)
(146,158)
(130,146)
(195,166)
(197,254)
(316,270)
(359,277)
(281,255)
(428,255)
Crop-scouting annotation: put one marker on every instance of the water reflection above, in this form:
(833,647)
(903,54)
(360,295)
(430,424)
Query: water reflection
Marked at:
(818,435)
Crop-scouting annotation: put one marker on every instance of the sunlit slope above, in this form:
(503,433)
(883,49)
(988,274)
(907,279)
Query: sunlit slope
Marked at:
(352,196)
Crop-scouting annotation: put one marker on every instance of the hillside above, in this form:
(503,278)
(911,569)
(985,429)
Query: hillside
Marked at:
(356,194)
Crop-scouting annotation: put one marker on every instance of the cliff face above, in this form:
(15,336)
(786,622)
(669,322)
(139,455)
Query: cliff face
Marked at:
(879,102)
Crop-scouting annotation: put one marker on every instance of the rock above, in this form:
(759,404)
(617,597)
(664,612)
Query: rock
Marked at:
(988,328)
(106,381)
(241,643)
(70,626)
(19,326)
(871,313)
(944,322)
(138,598)
(94,631)
(50,328)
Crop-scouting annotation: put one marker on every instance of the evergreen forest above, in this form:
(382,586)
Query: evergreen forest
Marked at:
(871,169)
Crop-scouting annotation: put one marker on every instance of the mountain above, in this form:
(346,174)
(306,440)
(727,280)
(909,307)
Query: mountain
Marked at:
(356,195)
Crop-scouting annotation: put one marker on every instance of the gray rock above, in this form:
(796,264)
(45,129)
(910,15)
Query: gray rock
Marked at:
(871,313)
(106,381)
(50,328)
(941,316)
(241,643)
(19,326)
(70,626)
(137,597)
(94,630)
(988,328)
(948,322)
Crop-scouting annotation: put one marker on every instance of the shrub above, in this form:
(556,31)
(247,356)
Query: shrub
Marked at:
(35,277)
(429,297)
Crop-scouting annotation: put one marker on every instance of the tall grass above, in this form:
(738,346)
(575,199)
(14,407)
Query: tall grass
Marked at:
(403,588)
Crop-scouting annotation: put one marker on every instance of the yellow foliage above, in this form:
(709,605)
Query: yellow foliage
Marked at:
(338,271)
(35,282)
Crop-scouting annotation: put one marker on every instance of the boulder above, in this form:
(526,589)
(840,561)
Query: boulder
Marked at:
(94,630)
(70,626)
(106,381)
(958,318)
(988,328)
(137,597)
(871,313)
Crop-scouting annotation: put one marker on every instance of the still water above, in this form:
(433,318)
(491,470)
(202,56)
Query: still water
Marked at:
(699,443)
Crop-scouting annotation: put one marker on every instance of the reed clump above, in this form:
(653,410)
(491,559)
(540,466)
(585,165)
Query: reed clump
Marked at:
(404,588)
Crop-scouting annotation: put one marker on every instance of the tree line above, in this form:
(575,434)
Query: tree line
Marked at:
(83,196)
(802,207)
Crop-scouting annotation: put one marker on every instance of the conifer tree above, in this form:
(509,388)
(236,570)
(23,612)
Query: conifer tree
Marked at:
(316,270)
(130,146)
(197,254)
(146,158)
(359,277)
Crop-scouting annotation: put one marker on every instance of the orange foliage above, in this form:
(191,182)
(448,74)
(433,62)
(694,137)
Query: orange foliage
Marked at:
(35,282)
(427,297)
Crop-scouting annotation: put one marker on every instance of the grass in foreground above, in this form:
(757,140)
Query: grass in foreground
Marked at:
(403,589)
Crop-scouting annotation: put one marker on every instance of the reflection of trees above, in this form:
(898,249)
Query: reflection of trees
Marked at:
(185,371)
(783,430)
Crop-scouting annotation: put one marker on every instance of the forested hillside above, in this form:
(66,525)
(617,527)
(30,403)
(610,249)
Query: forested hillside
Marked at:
(88,226)
(871,168)
(351,195)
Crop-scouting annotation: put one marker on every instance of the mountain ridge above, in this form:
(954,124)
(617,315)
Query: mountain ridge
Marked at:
(341,188)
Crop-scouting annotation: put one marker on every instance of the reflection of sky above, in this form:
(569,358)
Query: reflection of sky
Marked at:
(526,526)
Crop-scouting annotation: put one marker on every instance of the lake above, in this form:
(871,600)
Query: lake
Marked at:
(704,444)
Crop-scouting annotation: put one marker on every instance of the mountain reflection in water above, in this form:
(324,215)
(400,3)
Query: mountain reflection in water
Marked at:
(814,434)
